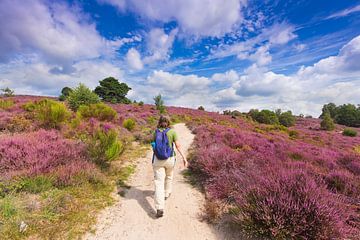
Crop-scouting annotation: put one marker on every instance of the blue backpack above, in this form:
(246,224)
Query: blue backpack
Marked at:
(162,150)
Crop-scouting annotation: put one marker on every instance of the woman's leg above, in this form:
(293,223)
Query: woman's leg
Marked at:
(159,175)
(169,172)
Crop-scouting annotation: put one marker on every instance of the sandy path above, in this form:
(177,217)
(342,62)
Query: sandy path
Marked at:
(133,217)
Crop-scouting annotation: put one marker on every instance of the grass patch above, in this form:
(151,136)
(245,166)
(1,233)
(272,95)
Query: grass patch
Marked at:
(6,104)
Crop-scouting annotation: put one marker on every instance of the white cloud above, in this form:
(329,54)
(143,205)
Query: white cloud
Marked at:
(198,18)
(159,44)
(57,33)
(133,59)
(345,12)
(177,83)
(36,78)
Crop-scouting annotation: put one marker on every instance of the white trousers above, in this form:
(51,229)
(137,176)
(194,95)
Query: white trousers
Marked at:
(163,176)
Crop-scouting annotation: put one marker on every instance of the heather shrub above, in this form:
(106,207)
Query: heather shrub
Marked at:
(129,124)
(327,123)
(340,182)
(19,124)
(100,111)
(104,145)
(81,95)
(290,205)
(37,153)
(349,132)
(6,104)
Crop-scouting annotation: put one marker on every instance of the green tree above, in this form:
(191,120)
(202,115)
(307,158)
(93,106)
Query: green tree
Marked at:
(7,92)
(65,92)
(111,90)
(201,108)
(327,123)
(264,116)
(348,115)
(81,95)
(331,109)
(159,103)
(287,119)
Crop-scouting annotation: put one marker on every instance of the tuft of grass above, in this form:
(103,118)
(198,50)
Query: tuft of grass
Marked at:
(6,104)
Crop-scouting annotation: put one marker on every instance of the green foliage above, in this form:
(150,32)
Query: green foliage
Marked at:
(104,146)
(264,116)
(36,184)
(159,103)
(327,123)
(346,114)
(110,90)
(81,95)
(349,132)
(65,92)
(49,113)
(7,92)
(331,109)
(141,103)
(201,108)
(100,111)
(6,104)
(293,134)
(129,124)
(287,119)
(7,208)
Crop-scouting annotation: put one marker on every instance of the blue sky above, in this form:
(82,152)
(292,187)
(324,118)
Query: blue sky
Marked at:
(234,54)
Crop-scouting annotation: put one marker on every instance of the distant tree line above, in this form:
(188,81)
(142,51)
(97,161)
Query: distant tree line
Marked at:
(346,114)
(265,116)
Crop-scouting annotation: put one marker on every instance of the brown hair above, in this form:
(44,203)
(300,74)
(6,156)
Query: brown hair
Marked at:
(164,122)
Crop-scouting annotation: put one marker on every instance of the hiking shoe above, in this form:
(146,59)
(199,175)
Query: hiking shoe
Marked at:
(159,213)
(166,198)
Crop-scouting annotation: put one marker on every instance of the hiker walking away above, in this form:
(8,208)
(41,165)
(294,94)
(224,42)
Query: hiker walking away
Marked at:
(164,162)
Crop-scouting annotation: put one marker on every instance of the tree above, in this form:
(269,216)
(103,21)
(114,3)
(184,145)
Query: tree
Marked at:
(264,116)
(287,119)
(7,92)
(348,115)
(327,123)
(111,90)
(81,95)
(65,92)
(159,103)
(331,109)
(201,108)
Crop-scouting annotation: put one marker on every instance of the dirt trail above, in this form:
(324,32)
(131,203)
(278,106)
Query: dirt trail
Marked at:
(133,217)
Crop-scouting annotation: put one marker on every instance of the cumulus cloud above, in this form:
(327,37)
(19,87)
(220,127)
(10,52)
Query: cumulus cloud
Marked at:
(57,33)
(159,44)
(198,18)
(133,59)
(177,83)
(36,78)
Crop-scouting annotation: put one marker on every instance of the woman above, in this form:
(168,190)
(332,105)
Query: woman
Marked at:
(164,162)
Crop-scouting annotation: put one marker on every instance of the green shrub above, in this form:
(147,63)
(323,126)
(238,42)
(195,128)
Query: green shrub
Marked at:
(129,124)
(7,92)
(81,95)
(264,116)
(349,132)
(287,119)
(293,134)
(141,103)
(327,123)
(49,113)
(6,104)
(100,111)
(104,146)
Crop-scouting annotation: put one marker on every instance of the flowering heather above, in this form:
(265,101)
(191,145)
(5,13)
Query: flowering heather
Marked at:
(303,187)
(41,152)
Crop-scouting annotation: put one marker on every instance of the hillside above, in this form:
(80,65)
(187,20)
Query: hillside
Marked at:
(267,180)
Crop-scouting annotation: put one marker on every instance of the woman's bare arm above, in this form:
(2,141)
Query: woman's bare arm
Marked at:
(178,147)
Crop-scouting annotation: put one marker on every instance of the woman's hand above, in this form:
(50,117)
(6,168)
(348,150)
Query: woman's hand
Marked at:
(186,163)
